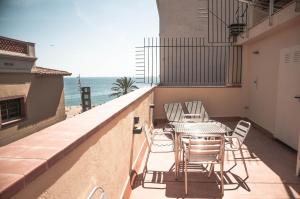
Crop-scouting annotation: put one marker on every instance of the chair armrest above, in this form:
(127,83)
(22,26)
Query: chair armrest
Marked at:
(233,137)
(168,125)
(156,131)
(163,133)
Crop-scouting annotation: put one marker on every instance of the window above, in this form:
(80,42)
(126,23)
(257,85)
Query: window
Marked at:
(11,109)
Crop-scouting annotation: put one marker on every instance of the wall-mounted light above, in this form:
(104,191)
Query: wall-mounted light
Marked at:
(151,105)
(136,129)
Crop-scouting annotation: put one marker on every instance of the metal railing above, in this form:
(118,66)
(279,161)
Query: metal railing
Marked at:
(188,62)
(222,15)
(266,9)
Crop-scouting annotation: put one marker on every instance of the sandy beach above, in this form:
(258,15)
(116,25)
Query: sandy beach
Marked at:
(71,111)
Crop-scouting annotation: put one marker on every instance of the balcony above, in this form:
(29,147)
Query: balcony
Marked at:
(98,148)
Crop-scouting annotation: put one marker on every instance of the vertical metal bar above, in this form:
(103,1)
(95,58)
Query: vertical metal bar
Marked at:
(156,59)
(241,64)
(228,63)
(213,21)
(208,21)
(208,65)
(204,49)
(217,20)
(237,62)
(247,20)
(217,65)
(229,13)
(238,12)
(192,59)
(148,64)
(180,60)
(200,59)
(242,15)
(222,33)
(224,66)
(168,60)
(220,61)
(164,61)
(160,61)
(232,75)
(188,60)
(213,64)
(232,11)
(271,11)
(144,60)
(196,60)
(221,65)
(152,62)
(172,66)
(226,22)
(176,74)
(184,68)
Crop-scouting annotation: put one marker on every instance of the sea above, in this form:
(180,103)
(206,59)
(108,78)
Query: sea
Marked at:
(100,89)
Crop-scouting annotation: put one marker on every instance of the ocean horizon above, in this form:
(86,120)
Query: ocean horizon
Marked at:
(100,89)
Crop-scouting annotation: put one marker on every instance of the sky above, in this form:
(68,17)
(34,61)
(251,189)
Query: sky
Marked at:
(87,37)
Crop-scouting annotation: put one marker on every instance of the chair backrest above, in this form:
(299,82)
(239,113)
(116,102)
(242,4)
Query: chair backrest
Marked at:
(148,134)
(174,112)
(205,148)
(196,107)
(241,130)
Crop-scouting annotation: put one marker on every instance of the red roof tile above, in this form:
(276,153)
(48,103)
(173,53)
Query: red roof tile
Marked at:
(48,71)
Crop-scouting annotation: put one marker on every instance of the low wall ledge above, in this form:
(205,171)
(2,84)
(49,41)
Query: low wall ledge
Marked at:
(24,160)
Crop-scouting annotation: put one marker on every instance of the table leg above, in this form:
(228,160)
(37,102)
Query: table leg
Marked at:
(176,155)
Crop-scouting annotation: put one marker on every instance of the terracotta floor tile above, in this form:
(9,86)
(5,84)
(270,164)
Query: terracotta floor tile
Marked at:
(271,167)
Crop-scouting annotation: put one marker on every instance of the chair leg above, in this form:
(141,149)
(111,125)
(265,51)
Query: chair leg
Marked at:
(183,161)
(180,159)
(222,177)
(185,176)
(241,151)
(233,154)
(145,170)
(212,167)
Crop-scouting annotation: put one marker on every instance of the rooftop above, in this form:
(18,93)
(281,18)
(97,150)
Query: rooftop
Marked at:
(270,163)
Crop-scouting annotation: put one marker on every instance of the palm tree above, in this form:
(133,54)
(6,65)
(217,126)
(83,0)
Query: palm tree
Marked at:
(123,86)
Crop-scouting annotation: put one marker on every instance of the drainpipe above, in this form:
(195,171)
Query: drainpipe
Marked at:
(271,11)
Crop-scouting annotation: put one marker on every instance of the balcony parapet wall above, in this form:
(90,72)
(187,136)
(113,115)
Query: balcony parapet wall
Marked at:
(70,158)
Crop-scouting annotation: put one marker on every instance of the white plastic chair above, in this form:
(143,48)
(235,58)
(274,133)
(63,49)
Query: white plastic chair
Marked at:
(175,112)
(235,141)
(205,149)
(196,111)
(158,142)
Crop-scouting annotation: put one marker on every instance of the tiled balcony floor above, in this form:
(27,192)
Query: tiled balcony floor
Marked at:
(271,167)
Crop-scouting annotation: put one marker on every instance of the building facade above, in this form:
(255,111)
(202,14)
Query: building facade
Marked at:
(31,97)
